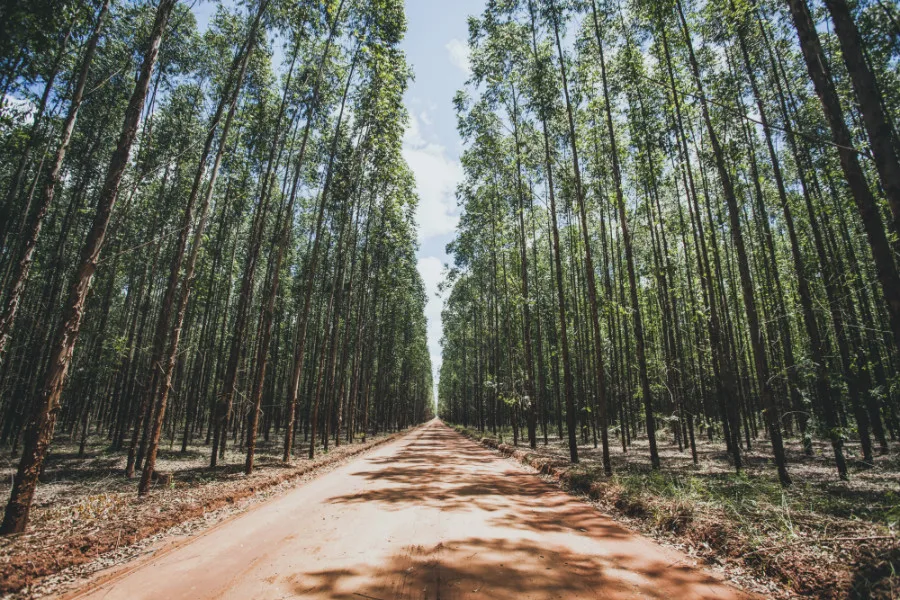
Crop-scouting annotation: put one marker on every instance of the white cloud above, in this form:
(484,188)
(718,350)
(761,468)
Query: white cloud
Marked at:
(459,55)
(431,269)
(436,178)
(437,175)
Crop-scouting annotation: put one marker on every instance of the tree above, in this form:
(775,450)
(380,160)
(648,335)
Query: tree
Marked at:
(40,430)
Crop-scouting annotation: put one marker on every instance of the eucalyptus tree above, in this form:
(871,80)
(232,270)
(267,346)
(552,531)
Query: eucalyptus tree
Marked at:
(46,405)
(240,169)
(498,66)
(543,102)
(312,262)
(35,221)
(554,15)
(673,145)
(163,367)
(771,408)
(820,74)
(627,242)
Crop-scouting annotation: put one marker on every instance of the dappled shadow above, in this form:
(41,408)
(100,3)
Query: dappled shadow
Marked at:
(559,513)
(68,476)
(71,468)
(580,553)
(498,569)
(441,469)
(877,572)
(446,471)
(431,516)
(848,502)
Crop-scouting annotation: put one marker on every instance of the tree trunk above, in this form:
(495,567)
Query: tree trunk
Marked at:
(758,344)
(46,405)
(560,293)
(33,228)
(859,187)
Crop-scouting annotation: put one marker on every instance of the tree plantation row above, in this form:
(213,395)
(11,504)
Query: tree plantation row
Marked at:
(679,215)
(206,236)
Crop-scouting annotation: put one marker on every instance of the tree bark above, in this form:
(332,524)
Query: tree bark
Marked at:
(758,344)
(47,404)
(865,202)
(34,224)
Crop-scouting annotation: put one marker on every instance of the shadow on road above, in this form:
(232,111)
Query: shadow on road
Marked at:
(530,545)
(477,569)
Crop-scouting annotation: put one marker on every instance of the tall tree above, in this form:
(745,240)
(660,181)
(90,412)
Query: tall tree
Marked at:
(46,404)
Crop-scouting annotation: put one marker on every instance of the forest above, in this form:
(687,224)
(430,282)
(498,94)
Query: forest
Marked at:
(207,240)
(674,287)
(678,254)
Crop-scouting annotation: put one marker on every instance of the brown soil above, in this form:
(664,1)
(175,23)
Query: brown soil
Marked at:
(822,538)
(86,511)
(432,515)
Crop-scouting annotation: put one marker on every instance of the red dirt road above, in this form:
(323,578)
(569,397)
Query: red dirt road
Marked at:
(430,516)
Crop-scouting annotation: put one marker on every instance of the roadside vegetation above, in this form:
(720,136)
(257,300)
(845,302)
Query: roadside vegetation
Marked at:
(820,538)
(677,258)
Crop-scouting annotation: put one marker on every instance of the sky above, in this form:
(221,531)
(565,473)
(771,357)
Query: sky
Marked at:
(435,47)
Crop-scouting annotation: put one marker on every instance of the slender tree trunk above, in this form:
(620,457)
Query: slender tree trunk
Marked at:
(166,365)
(758,344)
(15,183)
(560,293)
(862,195)
(530,389)
(301,330)
(868,94)
(35,222)
(629,254)
(47,404)
(600,374)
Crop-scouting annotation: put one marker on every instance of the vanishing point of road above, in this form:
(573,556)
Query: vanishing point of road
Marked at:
(429,516)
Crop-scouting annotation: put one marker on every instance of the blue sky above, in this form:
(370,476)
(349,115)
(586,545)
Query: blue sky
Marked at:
(435,46)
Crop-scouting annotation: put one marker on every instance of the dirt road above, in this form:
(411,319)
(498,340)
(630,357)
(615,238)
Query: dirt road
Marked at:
(432,516)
